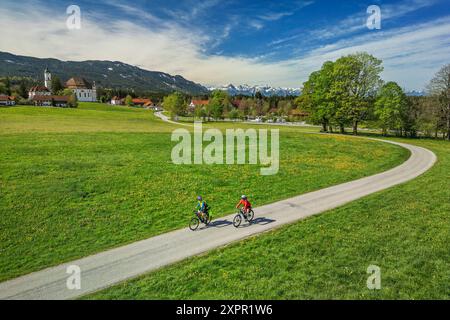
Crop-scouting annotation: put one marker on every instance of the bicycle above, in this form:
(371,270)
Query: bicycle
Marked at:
(241,215)
(195,221)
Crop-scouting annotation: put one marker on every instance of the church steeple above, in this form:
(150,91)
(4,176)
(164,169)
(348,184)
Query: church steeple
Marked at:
(48,79)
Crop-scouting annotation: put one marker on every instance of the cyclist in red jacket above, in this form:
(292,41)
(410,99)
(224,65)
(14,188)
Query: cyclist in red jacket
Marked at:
(245,203)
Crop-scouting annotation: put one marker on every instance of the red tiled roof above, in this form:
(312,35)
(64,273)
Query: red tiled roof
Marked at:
(296,112)
(61,98)
(39,89)
(200,102)
(51,98)
(142,101)
(78,83)
(6,98)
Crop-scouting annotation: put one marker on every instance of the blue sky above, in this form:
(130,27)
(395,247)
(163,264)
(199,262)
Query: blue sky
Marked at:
(219,42)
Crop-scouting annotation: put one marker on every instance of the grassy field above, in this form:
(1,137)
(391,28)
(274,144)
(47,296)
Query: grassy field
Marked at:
(404,230)
(88,117)
(76,182)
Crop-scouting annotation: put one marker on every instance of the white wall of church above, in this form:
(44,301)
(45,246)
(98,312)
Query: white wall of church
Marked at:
(86,95)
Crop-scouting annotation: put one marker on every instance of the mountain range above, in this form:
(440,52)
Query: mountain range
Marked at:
(119,75)
(247,90)
(415,93)
(106,74)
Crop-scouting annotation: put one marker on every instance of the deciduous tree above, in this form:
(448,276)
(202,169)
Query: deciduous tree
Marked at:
(390,107)
(439,88)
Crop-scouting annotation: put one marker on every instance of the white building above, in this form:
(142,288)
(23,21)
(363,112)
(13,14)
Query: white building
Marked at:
(116,101)
(84,91)
(38,91)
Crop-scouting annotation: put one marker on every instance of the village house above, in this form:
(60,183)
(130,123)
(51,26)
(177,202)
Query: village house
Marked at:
(116,101)
(38,91)
(48,101)
(197,103)
(7,100)
(155,108)
(142,102)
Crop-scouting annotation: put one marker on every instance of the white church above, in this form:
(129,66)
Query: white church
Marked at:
(84,91)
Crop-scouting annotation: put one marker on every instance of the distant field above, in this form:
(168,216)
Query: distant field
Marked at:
(403,230)
(88,117)
(78,181)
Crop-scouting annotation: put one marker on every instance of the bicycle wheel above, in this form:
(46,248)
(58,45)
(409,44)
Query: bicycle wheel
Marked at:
(208,219)
(237,221)
(193,225)
(250,216)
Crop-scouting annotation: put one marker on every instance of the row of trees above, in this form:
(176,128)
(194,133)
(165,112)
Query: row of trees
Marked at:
(105,95)
(220,106)
(16,87)
(350,91)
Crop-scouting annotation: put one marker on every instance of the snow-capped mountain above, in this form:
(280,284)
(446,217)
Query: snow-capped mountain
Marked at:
(415,93)
(266,91)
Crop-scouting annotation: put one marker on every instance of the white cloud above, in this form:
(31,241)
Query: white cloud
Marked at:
(411,54)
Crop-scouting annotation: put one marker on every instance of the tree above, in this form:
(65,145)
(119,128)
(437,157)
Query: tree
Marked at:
(316,96)
(439,88)
(284,107)
(356,80)
(67,92)
(245,106)
(175,104)
(390,107)
(3,89)
(56,85)
(215,108)
(411,116)
(200,112)
(73,101)
(234,114)
(219,104)
(8,86)
(23,92)
(129,101)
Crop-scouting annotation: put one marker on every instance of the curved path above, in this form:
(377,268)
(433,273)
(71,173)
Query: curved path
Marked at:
(113,266)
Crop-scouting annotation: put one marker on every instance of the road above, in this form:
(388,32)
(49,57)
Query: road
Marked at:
(113,266)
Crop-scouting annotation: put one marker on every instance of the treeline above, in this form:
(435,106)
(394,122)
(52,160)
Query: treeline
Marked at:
(16,86)
(105,95)
(220,105)
(349,92)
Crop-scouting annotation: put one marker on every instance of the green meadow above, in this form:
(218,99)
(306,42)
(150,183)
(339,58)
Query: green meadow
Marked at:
(74,182)
(405,231)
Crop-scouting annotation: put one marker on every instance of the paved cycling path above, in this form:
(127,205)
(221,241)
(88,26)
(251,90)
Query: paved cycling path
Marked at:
(110,267)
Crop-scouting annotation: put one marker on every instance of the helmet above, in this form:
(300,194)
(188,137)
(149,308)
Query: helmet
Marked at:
(243,197)
(199,198)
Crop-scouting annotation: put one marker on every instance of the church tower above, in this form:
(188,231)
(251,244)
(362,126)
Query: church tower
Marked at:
(48,79)
(94,92)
